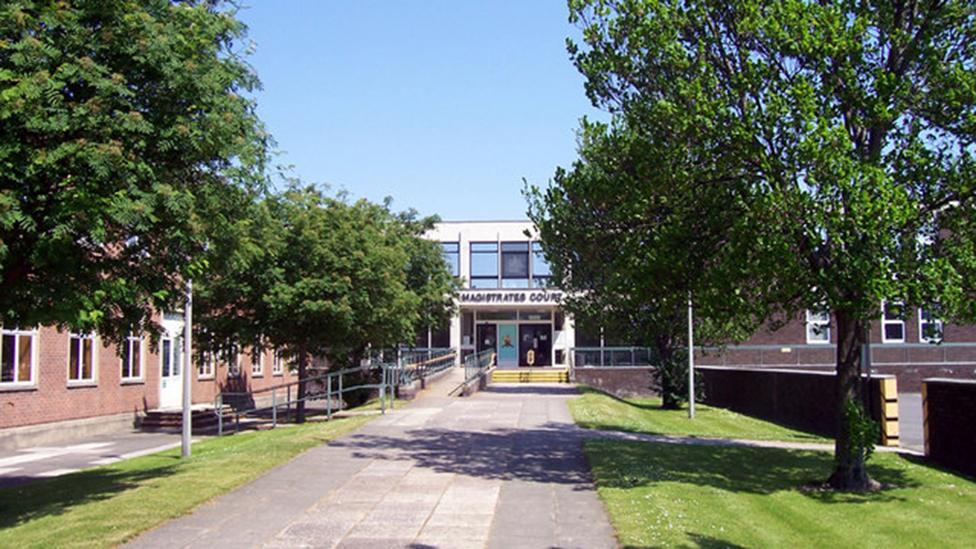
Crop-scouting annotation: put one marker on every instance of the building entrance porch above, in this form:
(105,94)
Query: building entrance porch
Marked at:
(517,344)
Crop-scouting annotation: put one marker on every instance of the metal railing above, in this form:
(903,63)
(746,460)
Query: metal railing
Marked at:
(476,364)
(419,364)
(582,357)
(328,387)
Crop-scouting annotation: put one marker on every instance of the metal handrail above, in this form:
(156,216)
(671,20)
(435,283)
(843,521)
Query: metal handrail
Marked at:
(385,386)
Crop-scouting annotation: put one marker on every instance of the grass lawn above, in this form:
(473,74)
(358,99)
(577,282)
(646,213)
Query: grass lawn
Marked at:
(671,495)
(598,410)
(108,505)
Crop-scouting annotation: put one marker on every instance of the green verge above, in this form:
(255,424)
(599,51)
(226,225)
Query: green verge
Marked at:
(598,410)
(105,506)
(673,495)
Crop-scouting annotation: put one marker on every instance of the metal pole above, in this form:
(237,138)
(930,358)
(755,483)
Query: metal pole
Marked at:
(274,407)
(691,360)
(328,396)
(187,369)
(383,390)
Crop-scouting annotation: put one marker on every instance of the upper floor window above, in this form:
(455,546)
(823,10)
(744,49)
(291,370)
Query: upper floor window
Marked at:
(893,322)
(132,358)
(452,255)
(540,267)
(81,358)
(515,264)
(17,356)
(484,264)
(818,326)
(257,362)
(930,328)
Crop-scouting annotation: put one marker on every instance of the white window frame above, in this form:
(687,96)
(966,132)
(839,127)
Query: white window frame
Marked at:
(811,321)
(885,322)
(75,338)
(233,370)
(142,360)
(17,334)
(277,364)
(257,362)
(921,330)
(205,368)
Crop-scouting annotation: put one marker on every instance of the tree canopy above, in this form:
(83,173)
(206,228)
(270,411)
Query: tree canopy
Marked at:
(123,124)
(841,135)
(314,275)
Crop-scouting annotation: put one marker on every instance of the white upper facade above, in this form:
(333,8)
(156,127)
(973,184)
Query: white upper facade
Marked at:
(498,262)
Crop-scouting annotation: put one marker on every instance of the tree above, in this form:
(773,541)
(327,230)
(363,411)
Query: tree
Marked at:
(618,231)
(115,119)
(317,276)
(851,127)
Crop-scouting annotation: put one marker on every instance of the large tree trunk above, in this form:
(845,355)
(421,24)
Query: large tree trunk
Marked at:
(302,376)
(665,352)
(849,473)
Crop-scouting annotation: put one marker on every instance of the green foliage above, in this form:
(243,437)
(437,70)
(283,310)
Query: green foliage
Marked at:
(312,274)
(669,378)
(863,430)
(826,148)
(121,124)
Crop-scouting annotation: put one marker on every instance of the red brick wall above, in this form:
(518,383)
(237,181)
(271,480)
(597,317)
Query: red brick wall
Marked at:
(53,398)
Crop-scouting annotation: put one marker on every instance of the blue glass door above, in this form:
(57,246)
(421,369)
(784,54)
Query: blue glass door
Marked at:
(507,345)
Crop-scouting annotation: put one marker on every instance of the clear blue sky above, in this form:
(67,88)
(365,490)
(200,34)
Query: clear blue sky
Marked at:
(445,105)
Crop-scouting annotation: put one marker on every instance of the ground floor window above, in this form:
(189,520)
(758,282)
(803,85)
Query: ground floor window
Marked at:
(818,326)
(81,358)
(278,363)
(205,367)
(930,328)
(893,322)
(17,356)
(132,358)
(257,362)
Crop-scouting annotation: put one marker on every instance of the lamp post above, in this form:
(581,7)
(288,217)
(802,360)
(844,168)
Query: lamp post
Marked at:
(691,361)
(187,369)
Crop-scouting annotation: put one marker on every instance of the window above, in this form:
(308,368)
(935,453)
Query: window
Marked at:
(893,322)
(233,360)
(16,357)
(205,367)
(540,267)
(277,364)
(81,358)
(452,255)
(132,358)
(484,264)
(929,326)
(818,326)
(257,362)
(440,336)
(515,264)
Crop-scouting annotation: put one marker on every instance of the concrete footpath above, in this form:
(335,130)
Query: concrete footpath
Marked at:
(503,468)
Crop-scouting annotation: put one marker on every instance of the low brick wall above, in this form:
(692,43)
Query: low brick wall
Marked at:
(623,381)
(950,422)
(800,399)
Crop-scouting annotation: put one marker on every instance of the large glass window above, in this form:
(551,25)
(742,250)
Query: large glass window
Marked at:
(515,264)
(452,255)
(81,358)
(893,322)
(17,356)
(818,326)
(929,325)
(132,358)
(484,264)
(540,267)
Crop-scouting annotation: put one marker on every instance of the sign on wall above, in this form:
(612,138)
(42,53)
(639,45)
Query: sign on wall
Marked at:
(531,297)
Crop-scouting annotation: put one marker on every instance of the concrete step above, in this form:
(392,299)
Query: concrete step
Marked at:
(534,375)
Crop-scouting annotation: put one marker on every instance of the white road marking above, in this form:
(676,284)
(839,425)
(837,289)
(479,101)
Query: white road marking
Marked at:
(56,472)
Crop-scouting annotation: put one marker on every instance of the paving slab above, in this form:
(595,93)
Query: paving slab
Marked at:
(503,468)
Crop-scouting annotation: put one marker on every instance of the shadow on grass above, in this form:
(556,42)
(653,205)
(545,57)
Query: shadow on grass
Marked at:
(36,499)
(624,464)
(797,435)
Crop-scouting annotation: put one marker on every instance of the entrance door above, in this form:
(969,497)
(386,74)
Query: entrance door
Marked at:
(507,345)
(171,367)
(487,337)
(535,344)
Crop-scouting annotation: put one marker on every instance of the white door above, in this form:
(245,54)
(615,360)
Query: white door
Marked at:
(171,366)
